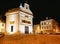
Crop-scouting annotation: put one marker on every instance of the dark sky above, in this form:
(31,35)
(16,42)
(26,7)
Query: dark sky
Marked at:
(40,8)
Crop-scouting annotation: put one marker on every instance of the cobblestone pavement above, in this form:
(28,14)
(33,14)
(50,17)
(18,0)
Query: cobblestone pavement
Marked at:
(30,39)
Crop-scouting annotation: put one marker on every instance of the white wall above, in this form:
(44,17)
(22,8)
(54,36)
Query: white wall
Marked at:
(22,25)
(22,29)
(9,18)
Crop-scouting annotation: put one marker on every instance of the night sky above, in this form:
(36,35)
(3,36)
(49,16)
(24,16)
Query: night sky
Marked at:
(40,8)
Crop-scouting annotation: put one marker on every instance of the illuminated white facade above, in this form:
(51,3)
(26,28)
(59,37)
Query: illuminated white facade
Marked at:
(19,20)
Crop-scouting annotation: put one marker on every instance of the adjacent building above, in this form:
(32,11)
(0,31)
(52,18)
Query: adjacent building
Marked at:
(19,20)
(37,29)
(49,26)
(2,27)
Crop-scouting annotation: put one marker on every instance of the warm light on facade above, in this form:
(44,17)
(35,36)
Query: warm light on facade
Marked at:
(49,26)
(2,27)
(37,29)
(14,31)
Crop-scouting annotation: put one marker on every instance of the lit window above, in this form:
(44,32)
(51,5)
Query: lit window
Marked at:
(47,22)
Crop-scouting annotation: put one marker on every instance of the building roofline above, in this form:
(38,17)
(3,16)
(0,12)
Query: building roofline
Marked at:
(16,10)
